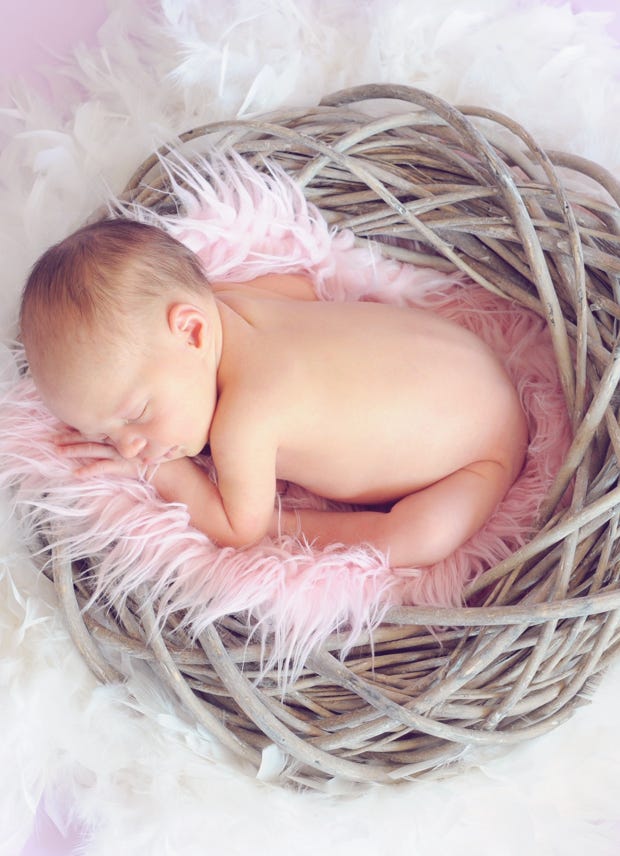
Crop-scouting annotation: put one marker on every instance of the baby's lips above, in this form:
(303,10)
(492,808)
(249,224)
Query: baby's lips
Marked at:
(172,452)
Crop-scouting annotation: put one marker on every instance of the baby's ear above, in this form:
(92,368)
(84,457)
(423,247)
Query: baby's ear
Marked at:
(189,323)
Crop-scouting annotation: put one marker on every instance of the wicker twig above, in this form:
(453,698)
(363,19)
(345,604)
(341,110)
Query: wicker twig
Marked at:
(471,189)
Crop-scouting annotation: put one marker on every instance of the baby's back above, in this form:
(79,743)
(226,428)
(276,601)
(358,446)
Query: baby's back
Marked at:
(369,402)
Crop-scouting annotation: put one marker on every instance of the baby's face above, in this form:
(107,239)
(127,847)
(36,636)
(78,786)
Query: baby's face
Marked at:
(152,401)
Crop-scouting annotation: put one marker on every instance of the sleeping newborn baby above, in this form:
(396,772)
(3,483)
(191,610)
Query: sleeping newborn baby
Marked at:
(402,413)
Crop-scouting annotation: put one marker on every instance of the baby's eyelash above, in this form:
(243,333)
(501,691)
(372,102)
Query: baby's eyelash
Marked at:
(137,418)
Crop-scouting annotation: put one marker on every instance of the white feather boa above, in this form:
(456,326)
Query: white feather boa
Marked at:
(152,784)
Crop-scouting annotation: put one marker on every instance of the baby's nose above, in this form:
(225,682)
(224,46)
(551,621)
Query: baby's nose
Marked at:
(130,447)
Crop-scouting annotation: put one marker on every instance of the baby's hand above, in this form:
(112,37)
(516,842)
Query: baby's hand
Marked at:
(97,457)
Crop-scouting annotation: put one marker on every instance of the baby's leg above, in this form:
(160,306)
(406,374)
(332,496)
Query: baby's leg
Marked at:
(420,529)
(427,526)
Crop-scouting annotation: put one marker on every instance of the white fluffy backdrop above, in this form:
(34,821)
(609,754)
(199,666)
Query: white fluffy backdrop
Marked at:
(120,760)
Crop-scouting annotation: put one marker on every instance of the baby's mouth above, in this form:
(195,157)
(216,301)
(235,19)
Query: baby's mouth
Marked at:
(174,452)
(171,454)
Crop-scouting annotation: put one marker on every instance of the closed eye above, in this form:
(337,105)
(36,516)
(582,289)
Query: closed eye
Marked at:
(137,418)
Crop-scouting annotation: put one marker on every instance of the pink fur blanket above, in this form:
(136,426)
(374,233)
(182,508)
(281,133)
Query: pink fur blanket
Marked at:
(243,224)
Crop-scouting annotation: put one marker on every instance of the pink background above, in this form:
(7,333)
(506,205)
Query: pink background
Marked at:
(34,37)
(36,34)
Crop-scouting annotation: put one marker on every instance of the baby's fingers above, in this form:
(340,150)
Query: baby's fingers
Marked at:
(68,436)
(104,467)
(95,458)
(84,449)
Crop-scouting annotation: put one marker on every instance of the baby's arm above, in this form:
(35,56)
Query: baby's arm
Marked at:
(184,481)
(238,511)
(237,517)
(420,529)
(233,513)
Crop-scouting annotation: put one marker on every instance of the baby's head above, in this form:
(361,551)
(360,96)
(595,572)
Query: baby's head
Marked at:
(100,310)
(95,282)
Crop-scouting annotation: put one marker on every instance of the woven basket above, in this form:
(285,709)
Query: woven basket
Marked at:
(437,186)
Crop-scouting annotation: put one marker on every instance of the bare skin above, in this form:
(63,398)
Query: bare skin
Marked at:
(360,402)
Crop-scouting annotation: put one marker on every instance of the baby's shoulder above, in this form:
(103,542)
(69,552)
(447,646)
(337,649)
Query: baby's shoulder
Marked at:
(244,418)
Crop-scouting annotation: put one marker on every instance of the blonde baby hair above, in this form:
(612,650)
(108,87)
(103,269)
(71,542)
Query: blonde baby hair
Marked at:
(99,277)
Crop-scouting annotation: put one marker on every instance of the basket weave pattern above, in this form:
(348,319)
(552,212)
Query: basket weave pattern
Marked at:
(448,188)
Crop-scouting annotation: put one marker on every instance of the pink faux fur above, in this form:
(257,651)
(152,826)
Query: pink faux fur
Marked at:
(243,225)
